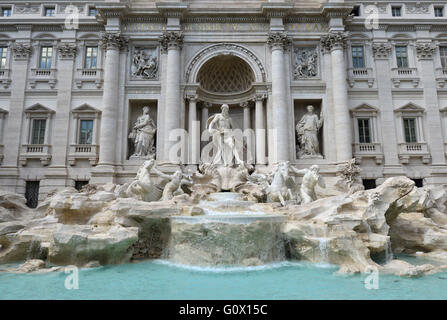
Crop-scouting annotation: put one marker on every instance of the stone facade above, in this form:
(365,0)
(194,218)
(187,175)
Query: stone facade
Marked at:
(68,121)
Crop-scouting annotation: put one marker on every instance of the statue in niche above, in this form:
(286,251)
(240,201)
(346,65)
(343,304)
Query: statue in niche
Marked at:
(307,132)
(144,134)
(311,178)
(305,63)
(144,66)
(220,126)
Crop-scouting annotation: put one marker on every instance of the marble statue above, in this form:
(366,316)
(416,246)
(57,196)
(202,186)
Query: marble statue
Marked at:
(142,187)
(174,186)
(220,126)
(306,63)
(311,178)
(282,185)
(307,131)
(144,134)
(144,67)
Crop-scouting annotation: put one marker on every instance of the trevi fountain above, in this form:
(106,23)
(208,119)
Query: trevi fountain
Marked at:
(225,220)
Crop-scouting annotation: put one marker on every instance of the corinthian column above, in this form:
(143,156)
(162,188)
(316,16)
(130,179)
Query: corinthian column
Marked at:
(335,43)
(260,129)
(171,41)
(113,43)
(278,42)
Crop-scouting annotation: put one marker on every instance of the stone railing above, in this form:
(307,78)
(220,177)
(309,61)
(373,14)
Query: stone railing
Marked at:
(360,74)
(441,76)
(369,150)
(5,77)
(94,76)
(43,75)
(414,150)
(41,152)
(88,152)
(399,75)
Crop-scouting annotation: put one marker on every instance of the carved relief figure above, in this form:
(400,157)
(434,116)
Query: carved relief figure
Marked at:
(282,185)
(306,60)
(144,134)
(144,65)
(220,126)
(307,132)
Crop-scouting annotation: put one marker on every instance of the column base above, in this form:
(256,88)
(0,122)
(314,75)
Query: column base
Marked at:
(103,173)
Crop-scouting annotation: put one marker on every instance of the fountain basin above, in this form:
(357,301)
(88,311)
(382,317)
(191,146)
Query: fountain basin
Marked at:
(229,240)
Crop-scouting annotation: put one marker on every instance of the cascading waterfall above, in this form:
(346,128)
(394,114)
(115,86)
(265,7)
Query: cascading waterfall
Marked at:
(230,233)
(388,251)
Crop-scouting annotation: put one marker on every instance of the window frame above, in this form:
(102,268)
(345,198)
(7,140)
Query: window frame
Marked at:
(86,57)
(50,59)
(49,7)
(361,130)
(42,135)
(412,135)
(8,8)
(439,8)
(89,9)
(395,7)
(355,58)
(78,138)
(85,112)
(441,57)
(4,58)
(399,58)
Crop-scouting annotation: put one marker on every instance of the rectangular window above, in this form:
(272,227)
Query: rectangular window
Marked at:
(443,54)
(85,132)
(439,11)
(38,131)
(410,130)
(46,55)
(79,184)
(402,56)
(6,12)
(364,131)
(369,183)
(91,57)
(356,11)
(358,57)
(396,11)
(3,55)
(92,12)
(32,193)
(50,11)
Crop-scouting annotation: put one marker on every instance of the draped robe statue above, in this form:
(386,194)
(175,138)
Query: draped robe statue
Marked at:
(144,133)
(307,131)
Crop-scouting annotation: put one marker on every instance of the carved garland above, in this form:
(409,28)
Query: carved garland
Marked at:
(425,50)
(21,51)
(381,50)
(67,50)
(225,47)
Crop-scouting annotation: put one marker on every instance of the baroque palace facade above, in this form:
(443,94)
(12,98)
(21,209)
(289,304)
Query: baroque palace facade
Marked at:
(76,76)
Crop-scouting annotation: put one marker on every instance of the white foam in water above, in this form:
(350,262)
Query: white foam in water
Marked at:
(269,266)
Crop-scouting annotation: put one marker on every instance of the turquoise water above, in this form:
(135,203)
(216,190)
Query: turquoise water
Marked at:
(160,280)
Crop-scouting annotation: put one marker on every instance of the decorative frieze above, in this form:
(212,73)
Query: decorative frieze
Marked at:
(171,40)
(278,40)
(306,63)
(145,63)
(21,51)
(381,50)
(26,8)
(113,41)
(334,40)
(67,50)
(425,50)
(417,8)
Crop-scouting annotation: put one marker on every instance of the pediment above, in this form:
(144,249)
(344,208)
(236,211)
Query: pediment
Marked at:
(410,107)
(85,108)
(38,108)
(365,108)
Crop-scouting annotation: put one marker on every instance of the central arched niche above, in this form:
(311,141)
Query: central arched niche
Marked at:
(226,75)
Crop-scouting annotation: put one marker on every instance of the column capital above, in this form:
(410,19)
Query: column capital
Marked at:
(67,50)
(334,40)
(21,51)
(381,50)
(171,40)
(192,97)
(115,41)
(278,40)
(425,50)
(244,104)
(259,97)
